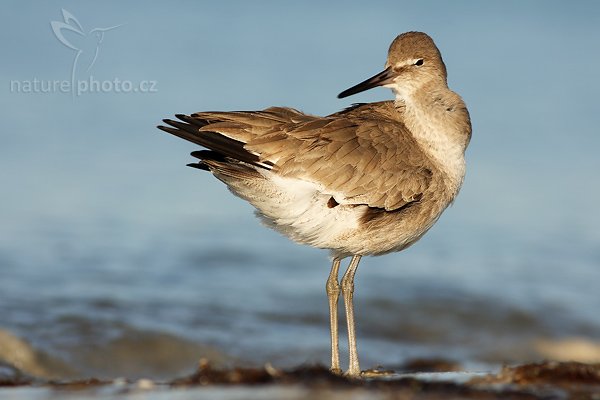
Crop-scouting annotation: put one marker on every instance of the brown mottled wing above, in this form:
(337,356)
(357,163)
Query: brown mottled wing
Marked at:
(360,155)
(361,160)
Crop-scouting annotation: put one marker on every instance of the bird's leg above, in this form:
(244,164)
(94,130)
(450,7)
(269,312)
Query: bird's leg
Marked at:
(347,291)
(333,293)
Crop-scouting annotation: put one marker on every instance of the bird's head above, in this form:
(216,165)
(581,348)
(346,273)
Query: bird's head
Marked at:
(413,61)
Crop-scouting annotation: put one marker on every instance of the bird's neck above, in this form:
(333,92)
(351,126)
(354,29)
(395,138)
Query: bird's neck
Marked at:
(439,121)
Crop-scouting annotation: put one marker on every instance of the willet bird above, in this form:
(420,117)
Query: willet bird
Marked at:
(368,180)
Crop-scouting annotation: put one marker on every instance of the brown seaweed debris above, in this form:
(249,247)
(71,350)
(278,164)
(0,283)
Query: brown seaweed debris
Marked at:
(12,376)
(569,373)
(568,380)
(78,384)
(206,374)
(550,372)
(549,380)
(430,365)
(319,377)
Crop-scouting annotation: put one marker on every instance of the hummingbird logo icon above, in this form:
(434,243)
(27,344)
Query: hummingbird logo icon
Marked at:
(86,45)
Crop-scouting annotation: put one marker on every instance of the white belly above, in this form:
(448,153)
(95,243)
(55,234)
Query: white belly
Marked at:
(300,210)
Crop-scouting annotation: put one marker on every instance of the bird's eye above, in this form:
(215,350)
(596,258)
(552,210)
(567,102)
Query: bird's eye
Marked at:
(419,62)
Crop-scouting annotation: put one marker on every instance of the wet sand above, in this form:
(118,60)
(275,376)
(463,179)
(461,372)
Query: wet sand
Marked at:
(549,380)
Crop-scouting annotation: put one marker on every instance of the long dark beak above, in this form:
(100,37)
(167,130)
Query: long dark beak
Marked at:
(384,77)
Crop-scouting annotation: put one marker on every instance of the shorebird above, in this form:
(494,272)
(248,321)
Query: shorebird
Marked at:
(368,180)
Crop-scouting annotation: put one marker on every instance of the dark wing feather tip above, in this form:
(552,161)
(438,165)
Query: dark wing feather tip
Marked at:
(199,165)
(221,145)
(168,129)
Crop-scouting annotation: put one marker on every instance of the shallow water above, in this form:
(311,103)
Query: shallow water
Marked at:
(150,301)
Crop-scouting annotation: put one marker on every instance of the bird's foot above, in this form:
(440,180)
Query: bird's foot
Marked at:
(377,373)
(353,373)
